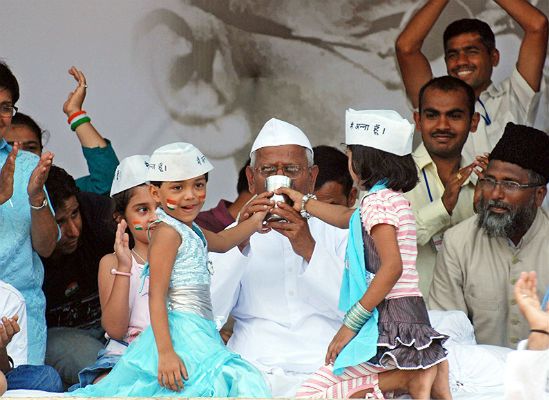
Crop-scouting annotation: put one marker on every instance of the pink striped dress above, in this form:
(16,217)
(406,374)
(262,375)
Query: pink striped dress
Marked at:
(389,207)
(406,339)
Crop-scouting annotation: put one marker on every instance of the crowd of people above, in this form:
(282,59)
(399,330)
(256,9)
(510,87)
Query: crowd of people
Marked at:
(329,299)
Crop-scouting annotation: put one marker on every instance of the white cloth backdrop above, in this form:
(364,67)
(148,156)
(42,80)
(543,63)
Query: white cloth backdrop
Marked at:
(211,72)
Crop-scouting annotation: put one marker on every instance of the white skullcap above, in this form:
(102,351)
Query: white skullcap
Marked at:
(280,133)
(131,172)
(381,129)
(177,162)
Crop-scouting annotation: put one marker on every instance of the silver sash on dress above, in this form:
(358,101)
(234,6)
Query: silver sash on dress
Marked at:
(192,298)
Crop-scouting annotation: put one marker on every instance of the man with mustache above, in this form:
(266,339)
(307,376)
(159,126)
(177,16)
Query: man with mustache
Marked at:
(483,257)
(73,311)
(470,55)
(443,196)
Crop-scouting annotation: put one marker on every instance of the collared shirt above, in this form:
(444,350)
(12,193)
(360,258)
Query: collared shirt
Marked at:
(476,274)
(512,100)
(285,309)
(20,265)
(12,303)
(71,279)
(217,218)
(432,218)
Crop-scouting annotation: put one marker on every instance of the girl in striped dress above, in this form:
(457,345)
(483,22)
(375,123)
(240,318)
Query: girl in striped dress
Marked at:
(386,342)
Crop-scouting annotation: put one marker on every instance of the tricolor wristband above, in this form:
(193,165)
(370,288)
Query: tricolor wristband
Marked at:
(74,115)
(79,121)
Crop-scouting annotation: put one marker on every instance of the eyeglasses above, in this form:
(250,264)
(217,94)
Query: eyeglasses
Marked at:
(507,186)
(291,171)
(7,110)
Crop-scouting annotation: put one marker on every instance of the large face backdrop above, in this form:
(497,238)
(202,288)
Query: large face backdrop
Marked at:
(211,72)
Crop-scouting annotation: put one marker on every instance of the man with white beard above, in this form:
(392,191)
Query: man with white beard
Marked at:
(483,257)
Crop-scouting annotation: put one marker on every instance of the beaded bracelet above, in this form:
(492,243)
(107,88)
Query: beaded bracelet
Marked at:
(356,317)
(114,271)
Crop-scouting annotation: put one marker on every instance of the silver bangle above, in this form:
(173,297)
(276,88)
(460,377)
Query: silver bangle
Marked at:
(41,206)
(304,200)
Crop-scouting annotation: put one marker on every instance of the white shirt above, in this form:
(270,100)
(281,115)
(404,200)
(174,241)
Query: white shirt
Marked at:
(285,309)
(12,303)
(512,100)
(527,373)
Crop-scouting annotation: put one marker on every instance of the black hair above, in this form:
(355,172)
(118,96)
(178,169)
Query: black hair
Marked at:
(122,199)
(120,203)
(8,81)
(61,186)
(242,184)
(159,183)
(332,167)
(448,83)
(373,165)
(536,178)
(23,119)
(468,25)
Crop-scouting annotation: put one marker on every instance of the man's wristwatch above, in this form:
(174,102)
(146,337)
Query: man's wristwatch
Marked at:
(304,201)
(41,206)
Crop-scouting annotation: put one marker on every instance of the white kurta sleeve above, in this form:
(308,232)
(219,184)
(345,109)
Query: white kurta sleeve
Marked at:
(225,288)
(321,278)
(12,303)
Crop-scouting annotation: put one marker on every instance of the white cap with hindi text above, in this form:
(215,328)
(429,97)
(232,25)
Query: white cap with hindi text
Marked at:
(131,172)
(177,162)
(276,132)
(381,129)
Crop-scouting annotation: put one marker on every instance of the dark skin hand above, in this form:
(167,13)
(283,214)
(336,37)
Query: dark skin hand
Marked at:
(453,187)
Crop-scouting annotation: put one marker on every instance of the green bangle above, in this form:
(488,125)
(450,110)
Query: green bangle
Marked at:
(81,121)
(356,317)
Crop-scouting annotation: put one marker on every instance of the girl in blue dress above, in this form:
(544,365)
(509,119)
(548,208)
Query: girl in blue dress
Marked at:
(182,350)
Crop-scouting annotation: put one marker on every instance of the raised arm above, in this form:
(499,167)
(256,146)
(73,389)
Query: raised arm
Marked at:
(6,175)
(43,227)
(114,290)
(101,158)
(533,48)
(414,66)
(526,296)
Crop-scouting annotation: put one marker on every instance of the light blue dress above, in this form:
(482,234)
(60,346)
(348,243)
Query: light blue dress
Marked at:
(214,371)
(20,265)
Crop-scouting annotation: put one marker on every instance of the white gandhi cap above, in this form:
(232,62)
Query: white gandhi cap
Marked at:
(381,129)
(177,162)
(131,172)
(280,133)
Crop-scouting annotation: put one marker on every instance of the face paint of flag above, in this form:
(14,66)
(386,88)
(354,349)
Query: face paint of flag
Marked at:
(137,226)
(171,204)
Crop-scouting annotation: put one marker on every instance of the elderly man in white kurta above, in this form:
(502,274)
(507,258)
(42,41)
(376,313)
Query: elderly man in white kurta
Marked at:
(283,287)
